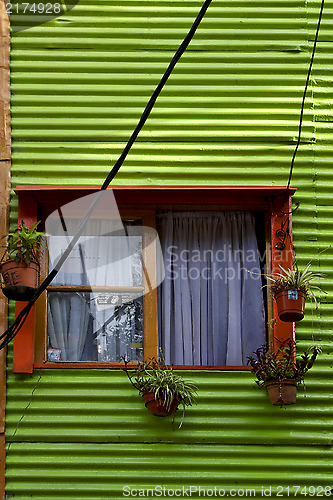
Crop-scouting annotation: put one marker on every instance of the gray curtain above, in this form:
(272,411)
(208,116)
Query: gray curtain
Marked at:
(211,307)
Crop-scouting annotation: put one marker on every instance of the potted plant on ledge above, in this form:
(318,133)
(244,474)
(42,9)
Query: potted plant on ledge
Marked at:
(19,265)
(291,288)
(161,388)
(282,371)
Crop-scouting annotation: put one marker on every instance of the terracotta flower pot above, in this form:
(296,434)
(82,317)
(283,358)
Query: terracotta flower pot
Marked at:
(156,408)
(20,280)
(290,304)
(282,393)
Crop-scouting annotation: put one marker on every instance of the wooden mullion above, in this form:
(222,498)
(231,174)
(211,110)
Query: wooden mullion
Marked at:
(95,289)
(114,365)
(269,298)
(41,311)
(150,342)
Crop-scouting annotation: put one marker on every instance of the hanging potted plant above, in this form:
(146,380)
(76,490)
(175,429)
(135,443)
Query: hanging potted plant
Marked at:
(161,388)
(19,265)
(291,288)
(282,371)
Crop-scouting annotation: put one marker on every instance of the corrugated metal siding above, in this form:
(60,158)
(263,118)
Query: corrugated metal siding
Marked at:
(228,115)
(84,471)
(87,435)
(100,406)
(231,105)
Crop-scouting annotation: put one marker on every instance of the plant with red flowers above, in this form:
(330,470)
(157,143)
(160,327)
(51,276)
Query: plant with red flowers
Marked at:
(282,367)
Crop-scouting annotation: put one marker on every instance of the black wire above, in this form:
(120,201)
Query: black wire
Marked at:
(22,417)
(301,117)
(183,46)
(292,211)
(304,94)
(10,333)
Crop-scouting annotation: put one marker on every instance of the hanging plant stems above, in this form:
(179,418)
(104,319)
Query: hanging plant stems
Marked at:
(282,365)
(19,265)
(162,389)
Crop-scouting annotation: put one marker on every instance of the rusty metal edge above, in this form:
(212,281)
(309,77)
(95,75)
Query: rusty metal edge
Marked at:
(5,150)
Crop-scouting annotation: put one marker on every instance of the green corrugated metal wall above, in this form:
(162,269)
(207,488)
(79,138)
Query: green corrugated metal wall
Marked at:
(228,115)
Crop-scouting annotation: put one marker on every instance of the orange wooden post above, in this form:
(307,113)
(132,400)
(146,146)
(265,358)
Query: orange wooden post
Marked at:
(281,220)
(24,342)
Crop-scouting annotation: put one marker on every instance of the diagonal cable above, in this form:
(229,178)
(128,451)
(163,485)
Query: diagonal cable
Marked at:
(10,333)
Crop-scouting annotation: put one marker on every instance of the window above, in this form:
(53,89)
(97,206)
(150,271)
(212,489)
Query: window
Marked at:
(210,310)
(95,306)
(211,305)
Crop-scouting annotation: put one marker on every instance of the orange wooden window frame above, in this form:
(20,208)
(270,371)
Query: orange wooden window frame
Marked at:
(37,202)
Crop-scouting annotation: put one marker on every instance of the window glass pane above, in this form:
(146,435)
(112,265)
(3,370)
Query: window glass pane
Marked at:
(120,329)
(97,325)
(94,327)
(105,258)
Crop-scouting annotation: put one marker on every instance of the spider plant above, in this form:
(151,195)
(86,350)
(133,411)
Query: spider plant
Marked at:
(296,279)
(153,376)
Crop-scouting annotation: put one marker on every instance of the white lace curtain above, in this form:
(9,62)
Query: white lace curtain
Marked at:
(211,308)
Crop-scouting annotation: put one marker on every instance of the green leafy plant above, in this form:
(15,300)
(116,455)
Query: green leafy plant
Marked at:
(283,364)
(23,244)
(153,376)
(295,279)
